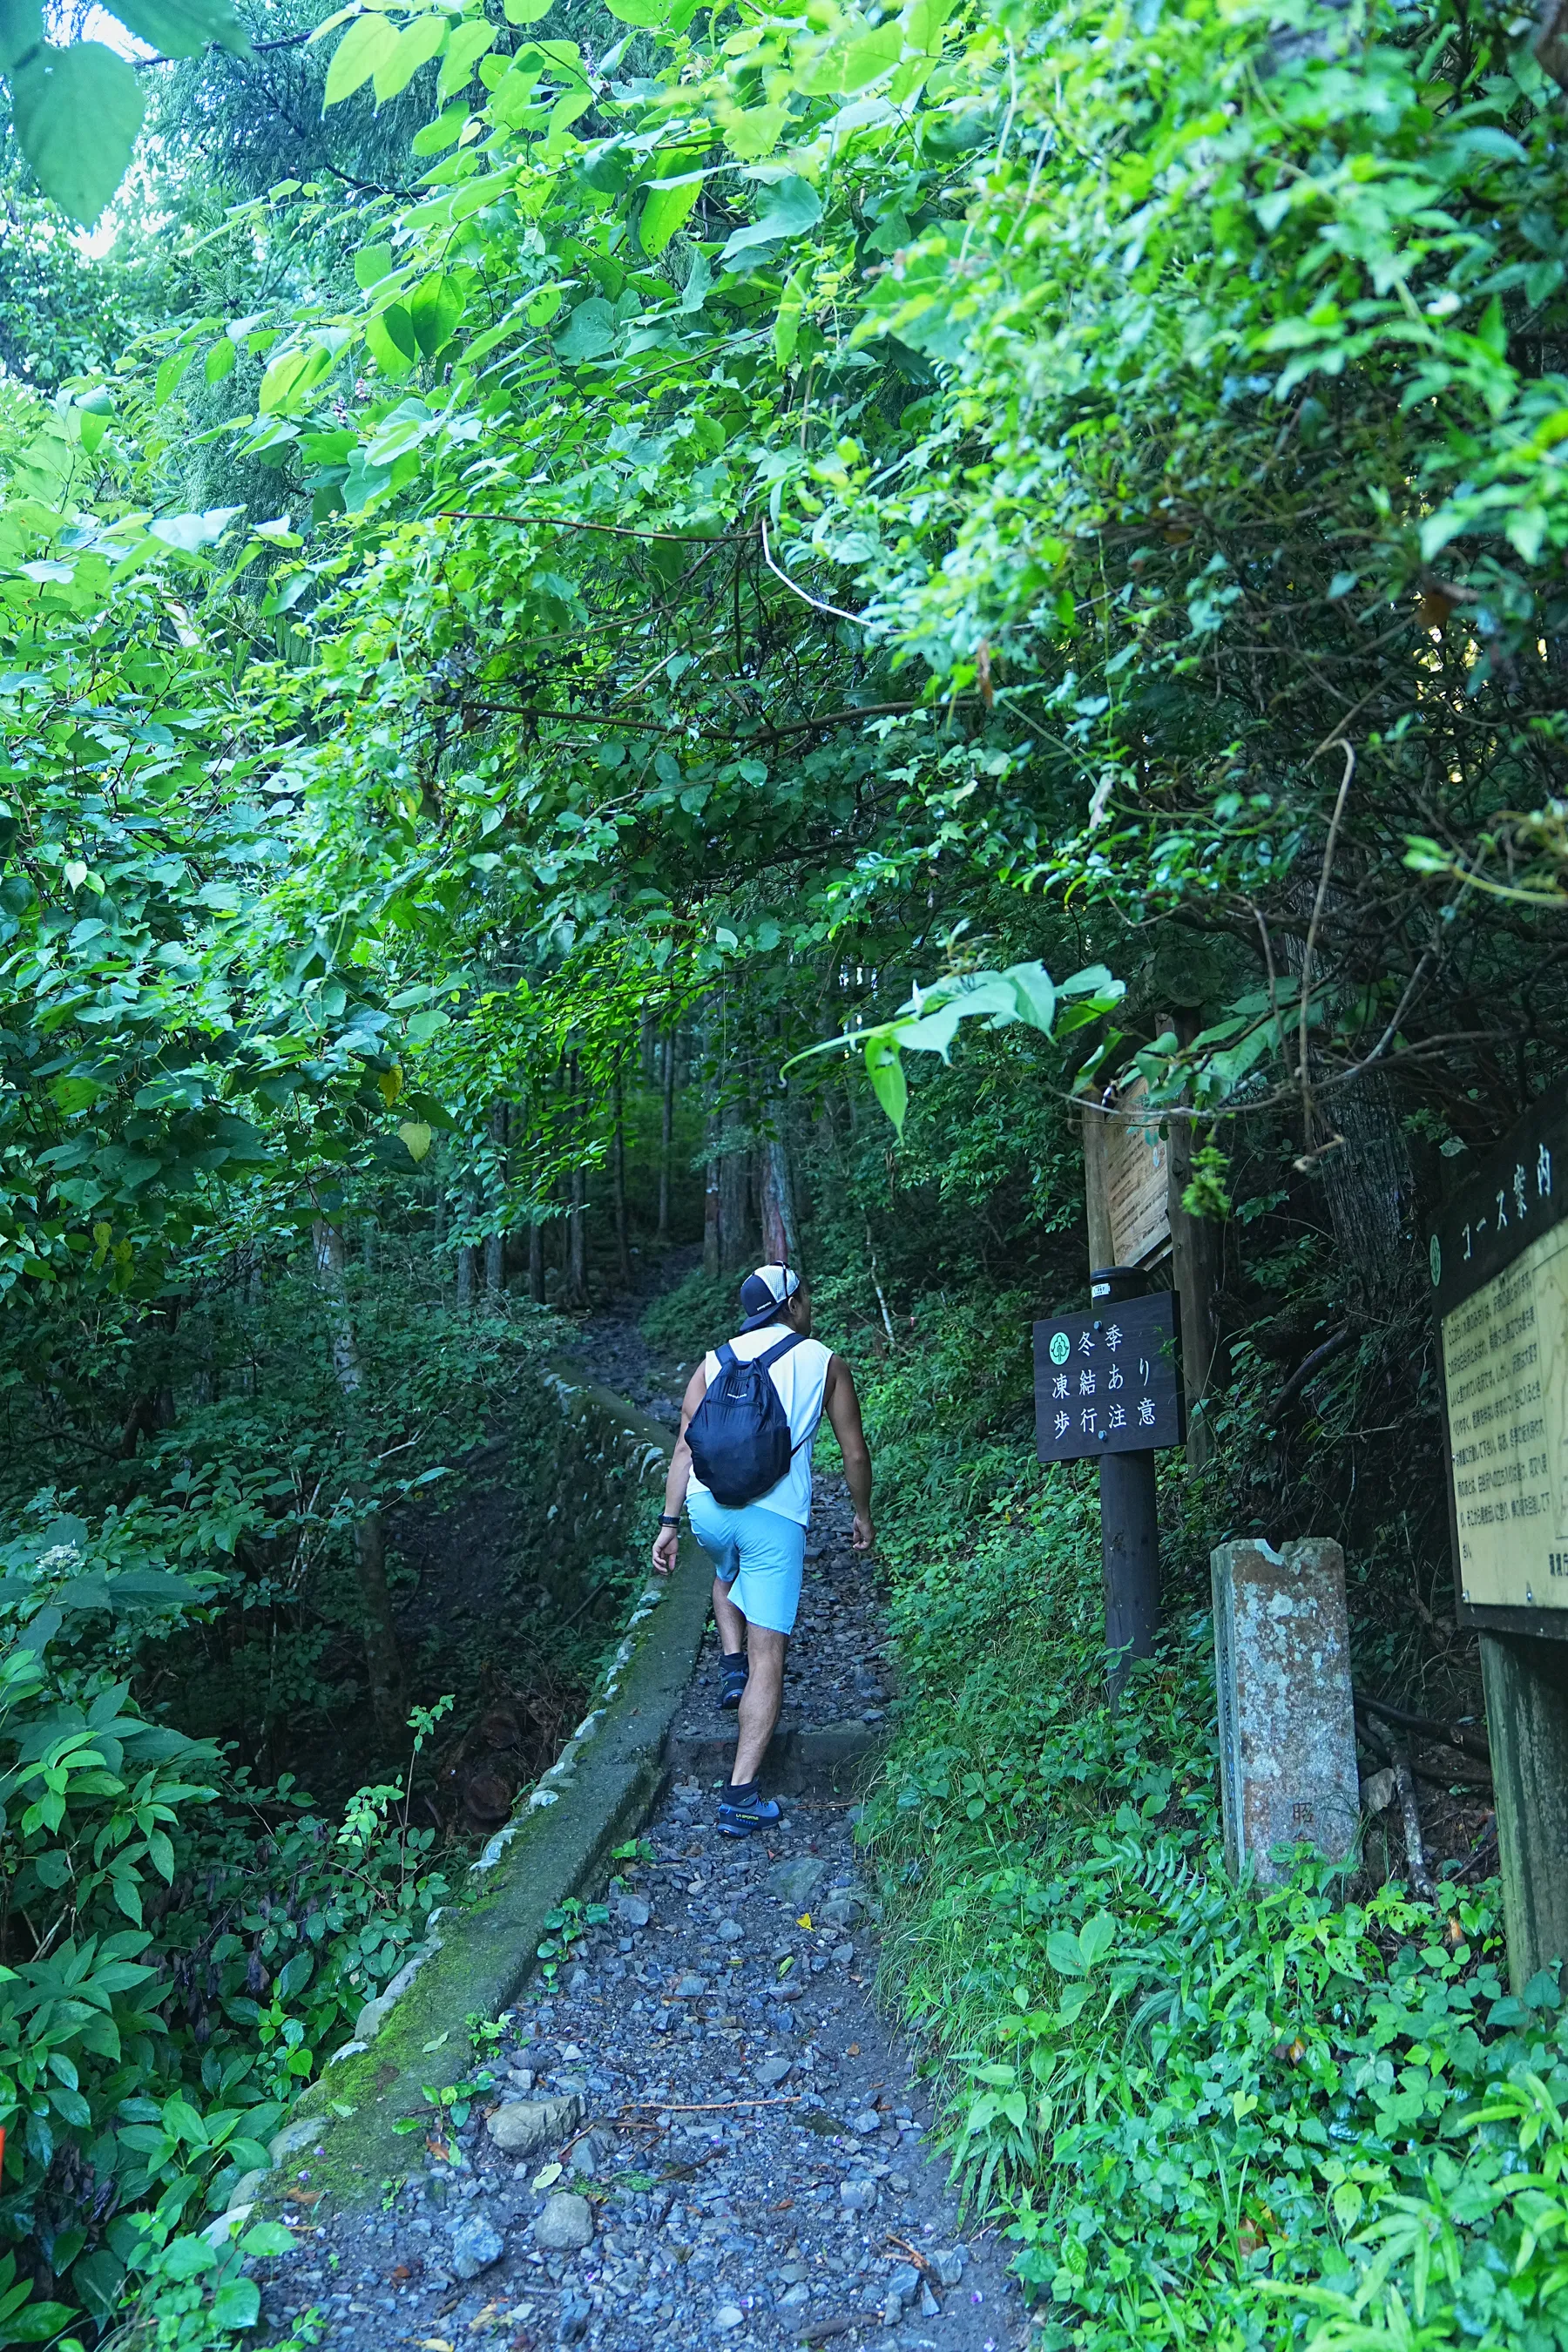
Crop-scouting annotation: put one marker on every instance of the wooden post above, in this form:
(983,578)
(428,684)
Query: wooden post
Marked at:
(1197,1246)
(1526,1685)
(1129,1520)
(1097,1184)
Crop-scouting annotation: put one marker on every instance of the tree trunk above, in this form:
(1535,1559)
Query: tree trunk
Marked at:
(495,1243)
(467,1260)
(1197,1248)
(781,1237)
(712,1238)
(536,1262)
(618,1178)
(577,1267)
(577,1243)
(665,1136)
(735,1231)
(377,1624)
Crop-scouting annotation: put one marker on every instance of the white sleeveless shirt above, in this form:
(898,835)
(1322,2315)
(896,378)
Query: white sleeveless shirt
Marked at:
(800,1378)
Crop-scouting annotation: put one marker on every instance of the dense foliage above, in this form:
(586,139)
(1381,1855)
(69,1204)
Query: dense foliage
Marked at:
(557,561)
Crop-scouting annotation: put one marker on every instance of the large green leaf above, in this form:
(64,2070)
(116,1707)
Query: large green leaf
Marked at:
(178,28)
(435,308)
(368,43)
(663,213)
(77,113)
(589,332)
(793,206)
(414,48)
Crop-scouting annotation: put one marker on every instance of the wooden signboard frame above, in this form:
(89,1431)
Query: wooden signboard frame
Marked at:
(1499,1263)
(1498,1321)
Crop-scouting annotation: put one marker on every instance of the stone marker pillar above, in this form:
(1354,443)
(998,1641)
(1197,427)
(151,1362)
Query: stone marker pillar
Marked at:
(1287,1718)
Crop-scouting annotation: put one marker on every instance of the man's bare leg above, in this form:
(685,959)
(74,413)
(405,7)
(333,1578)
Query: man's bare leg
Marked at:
(759,1707)
(726,1617)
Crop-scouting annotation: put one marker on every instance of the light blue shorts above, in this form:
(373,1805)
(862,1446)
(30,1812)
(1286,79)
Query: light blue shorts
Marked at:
(759,1554)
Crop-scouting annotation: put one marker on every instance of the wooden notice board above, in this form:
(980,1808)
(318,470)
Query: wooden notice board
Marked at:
(1127,1167)
(1498,1263)
(1106,1382)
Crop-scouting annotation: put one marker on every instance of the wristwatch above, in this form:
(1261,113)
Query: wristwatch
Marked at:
(666,1521)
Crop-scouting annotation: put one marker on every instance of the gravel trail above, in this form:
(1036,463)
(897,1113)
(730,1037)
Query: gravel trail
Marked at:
(702,2132)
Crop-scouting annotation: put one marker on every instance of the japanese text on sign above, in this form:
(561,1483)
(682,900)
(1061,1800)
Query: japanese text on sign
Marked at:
(1107,1383)
(1498,1260)
(1505,1364)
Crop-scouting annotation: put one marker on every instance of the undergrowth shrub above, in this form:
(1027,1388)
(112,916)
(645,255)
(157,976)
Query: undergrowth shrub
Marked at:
(178,1951)
(1200,2110)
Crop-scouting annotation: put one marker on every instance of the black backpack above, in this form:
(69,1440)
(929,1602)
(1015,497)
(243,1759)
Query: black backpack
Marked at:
(739,1434)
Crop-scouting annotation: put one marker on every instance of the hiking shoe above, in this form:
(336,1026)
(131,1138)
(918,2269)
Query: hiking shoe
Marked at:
(742,1816)
(733,1672)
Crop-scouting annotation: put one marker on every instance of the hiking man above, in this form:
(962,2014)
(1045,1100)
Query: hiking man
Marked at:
(749,1421)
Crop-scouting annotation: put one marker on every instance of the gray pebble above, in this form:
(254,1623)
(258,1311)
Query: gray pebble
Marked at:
(566,2224)
(857,2196)
(773,2070)
(476,2245)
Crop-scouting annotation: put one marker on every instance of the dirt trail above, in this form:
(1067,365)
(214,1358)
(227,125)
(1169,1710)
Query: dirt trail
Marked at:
(740,2157)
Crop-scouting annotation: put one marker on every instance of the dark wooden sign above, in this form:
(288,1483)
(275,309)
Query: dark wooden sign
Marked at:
(1499,1263)
(1106,1382)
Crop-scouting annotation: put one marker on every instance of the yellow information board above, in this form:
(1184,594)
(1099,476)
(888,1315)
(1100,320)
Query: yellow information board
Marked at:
(1505,1367)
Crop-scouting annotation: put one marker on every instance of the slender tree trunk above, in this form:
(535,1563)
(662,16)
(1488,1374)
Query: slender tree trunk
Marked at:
(735,1230)
(378,1626)
(712,1238)
(466,1260)
(578,1242)
(666,1137)
(618,1178)
(781,1237)
(576,1222)
(536,1262)
(1197,1245)
(495,1243)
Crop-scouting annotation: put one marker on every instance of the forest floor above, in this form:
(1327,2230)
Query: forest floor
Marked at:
(742,2158)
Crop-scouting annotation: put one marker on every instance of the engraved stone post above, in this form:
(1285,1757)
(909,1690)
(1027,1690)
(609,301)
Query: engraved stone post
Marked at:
(1287,1719)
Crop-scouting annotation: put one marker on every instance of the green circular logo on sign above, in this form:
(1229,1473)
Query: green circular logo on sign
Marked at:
(1061,1346)
(1435,1256)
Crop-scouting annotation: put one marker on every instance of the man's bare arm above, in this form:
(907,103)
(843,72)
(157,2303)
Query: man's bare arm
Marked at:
(842,1408)
(668,1541)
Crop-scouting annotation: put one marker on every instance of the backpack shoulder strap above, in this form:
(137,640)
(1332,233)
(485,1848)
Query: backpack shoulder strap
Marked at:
(773,1354)
(727,1359)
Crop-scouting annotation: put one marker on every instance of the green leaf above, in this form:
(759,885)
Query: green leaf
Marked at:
(1065,1953)
(526,12)
(638,12)
(237,2304)
(589,332)
(1096,1937)
(887,1081)
(77,113)
(390,341)
(39,2324)
(663,213)
(793,206)
(368,43)
(374,263)
(435,308)
(220,360)
(414,48)
(179,28)
(786,325)
(466,47)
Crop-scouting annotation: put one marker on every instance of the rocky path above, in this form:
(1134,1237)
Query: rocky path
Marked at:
(697,2129)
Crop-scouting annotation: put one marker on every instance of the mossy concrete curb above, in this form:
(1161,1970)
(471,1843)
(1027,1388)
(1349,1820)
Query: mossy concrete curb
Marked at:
(477,1957)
